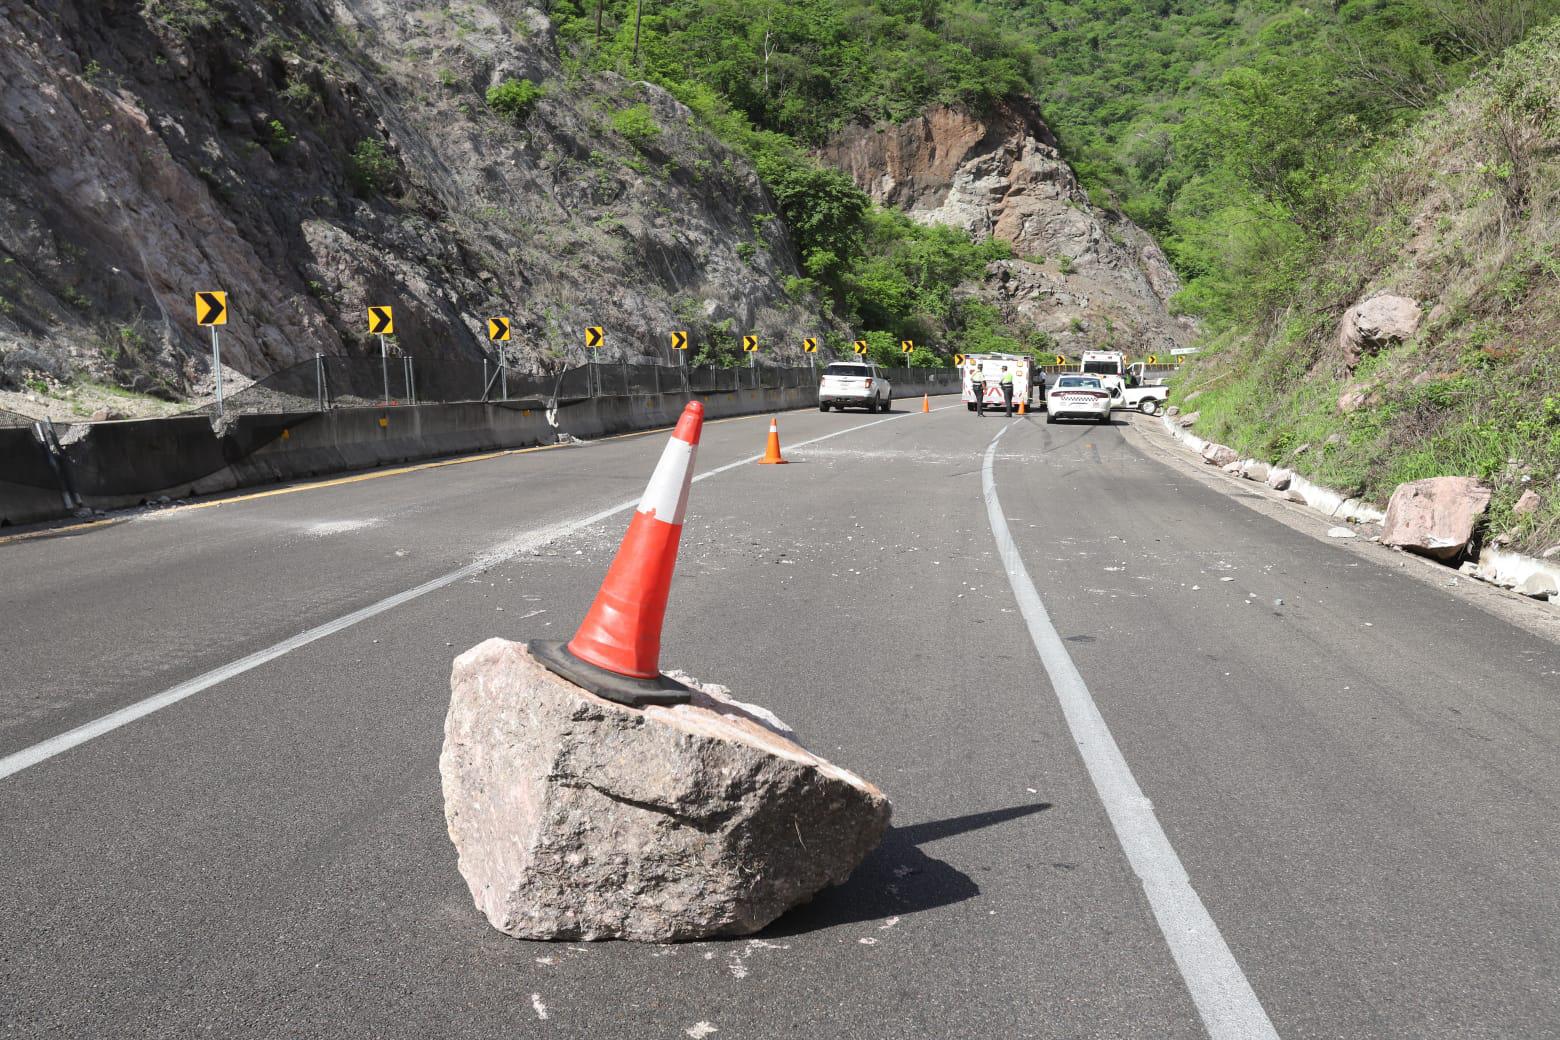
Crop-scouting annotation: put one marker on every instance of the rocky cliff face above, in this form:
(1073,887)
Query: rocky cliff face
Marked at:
(314,157)
(1083,276)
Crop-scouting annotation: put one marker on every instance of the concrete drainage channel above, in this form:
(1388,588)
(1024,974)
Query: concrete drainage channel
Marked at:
(1526,575)
(46,475)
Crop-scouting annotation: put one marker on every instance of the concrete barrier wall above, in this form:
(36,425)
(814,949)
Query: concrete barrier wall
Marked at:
(29,489)
(119,464)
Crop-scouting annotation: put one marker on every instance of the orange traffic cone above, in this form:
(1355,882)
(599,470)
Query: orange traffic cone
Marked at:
(1022,405)
(617,651)
(926,402)
(772,449)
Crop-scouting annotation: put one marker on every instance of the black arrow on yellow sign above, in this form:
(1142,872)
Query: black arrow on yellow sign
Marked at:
(860,346)
(594,335)
(679,340)
(906,346)
(498,330)
(749,343)
(381,321)
(1061,360)
(809,346)
(211,308)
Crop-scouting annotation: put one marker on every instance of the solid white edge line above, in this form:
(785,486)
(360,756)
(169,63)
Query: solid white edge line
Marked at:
(507,550)
(1224,998)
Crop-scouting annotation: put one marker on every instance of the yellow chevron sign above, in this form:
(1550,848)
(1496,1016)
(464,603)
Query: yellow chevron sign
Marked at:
(906,346)
(594,335)
(498,330)
(211,308)
(381,321)
(809,346)
(860,346)
(749,344)
(679,341)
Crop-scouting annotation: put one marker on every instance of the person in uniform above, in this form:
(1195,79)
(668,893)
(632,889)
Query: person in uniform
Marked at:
(1006,382)
(978,384)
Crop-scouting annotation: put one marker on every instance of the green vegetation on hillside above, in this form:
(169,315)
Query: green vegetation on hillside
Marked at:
(774,79)
(1461,213)
(1232,129)
(806,67)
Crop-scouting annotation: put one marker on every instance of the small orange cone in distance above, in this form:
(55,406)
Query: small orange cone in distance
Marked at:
(772,449)
(1022,402)
(926,402)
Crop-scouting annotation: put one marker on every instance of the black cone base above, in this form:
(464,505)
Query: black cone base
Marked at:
(636,693)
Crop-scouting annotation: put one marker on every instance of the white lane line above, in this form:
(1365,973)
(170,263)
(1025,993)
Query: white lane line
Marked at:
(530,540)
(1229,1008)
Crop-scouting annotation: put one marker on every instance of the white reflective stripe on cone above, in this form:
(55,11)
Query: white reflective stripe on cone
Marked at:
(666,496)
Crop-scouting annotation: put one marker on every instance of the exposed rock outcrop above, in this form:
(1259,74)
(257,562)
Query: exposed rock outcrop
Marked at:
(312,159)
(1082,275)
(1435,517)
(579,818)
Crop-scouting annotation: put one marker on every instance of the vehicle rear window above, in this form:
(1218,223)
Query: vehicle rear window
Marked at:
(859,371)
(1104,367)
(1085,382)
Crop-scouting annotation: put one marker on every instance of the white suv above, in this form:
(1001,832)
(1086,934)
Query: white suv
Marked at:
(854,383)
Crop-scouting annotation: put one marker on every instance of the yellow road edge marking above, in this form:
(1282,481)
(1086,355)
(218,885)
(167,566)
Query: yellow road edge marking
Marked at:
(24,536)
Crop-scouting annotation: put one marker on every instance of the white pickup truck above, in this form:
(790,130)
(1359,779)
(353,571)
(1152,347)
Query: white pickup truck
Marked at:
(1125,382)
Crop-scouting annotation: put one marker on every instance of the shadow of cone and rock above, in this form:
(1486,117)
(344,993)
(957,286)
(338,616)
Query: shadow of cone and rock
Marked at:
(899,878)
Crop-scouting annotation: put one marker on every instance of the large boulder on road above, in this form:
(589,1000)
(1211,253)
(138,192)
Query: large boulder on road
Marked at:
(580,818)
(1435,517)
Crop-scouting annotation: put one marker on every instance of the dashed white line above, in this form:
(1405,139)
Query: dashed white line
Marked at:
(1224,998)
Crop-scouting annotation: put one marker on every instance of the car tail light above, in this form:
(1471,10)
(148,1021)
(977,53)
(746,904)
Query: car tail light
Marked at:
(869,384)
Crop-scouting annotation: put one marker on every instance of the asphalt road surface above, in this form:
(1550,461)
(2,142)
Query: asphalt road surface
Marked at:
(1355,772)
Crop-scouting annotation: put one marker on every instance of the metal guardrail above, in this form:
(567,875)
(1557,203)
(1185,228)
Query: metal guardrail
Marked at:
(336,382)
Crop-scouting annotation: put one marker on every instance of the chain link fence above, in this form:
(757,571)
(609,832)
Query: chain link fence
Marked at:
(337,382)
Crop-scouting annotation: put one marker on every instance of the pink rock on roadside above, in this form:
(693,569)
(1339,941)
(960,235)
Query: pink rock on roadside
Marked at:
(1219,455)
(579,818)
(1435,517)
(1528,502)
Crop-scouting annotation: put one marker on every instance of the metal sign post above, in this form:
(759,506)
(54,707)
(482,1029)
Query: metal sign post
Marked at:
(381,323)
(211,309)
(216,366)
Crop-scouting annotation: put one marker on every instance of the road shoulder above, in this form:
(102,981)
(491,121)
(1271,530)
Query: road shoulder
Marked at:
(1535,617)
